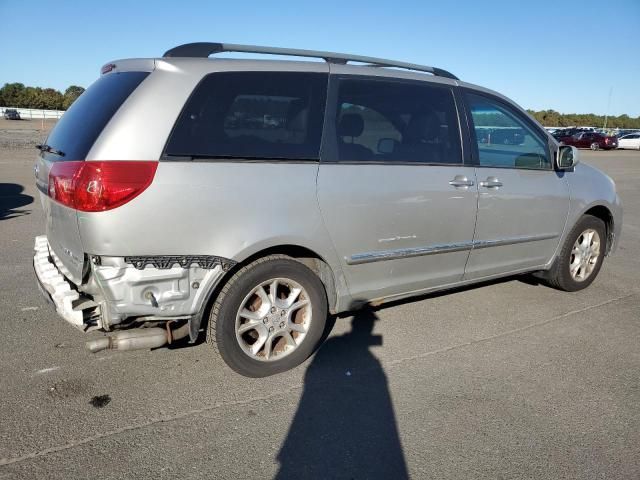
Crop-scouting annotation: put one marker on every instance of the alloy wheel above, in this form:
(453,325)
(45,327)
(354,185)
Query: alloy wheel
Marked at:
(273,319)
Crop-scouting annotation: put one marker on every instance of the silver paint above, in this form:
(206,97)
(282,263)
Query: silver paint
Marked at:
(436,235)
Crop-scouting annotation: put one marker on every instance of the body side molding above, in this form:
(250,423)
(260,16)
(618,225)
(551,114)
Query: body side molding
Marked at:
(368,257)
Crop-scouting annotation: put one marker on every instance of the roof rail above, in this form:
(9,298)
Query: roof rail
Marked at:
(204,49)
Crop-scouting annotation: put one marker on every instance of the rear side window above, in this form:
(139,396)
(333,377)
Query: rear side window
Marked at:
(79,127)
(252,115)
(391,121)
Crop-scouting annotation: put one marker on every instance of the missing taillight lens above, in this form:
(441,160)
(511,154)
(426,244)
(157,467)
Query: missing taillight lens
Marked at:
(99,186)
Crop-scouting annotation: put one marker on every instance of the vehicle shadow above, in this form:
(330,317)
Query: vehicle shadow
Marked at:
(11,199)
(345,425)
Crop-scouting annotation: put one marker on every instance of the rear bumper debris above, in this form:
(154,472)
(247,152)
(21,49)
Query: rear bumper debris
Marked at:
(55,287)
(124,291)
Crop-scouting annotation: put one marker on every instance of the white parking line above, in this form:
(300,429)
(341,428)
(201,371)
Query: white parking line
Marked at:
(47,370)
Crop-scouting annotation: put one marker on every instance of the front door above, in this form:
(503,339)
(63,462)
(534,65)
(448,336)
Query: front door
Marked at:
(523,202)
(394,192)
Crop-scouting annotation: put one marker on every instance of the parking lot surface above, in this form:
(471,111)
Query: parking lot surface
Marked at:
(509,379)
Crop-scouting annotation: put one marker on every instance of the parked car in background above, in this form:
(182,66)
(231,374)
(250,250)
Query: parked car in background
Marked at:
(11,114)
(631,141)
(592,140)
(497,135)
(559,133)
(567,132)
(266,194)
(622,133)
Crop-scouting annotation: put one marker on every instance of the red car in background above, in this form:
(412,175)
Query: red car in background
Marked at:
(592,140)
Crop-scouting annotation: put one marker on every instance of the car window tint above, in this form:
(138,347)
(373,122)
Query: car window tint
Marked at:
(391,121)
(252,115)
(77,130)
(504,140)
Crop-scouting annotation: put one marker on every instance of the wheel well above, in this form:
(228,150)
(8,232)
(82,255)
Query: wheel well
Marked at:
(305,256)
(603,214)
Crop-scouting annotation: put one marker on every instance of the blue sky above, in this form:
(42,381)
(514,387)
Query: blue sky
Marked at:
(564,55)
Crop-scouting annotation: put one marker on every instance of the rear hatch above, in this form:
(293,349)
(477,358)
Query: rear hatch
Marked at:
(68,144)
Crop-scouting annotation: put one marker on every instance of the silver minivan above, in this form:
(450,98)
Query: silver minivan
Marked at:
(259,196)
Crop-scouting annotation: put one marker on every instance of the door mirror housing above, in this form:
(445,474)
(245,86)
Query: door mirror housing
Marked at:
(567,157)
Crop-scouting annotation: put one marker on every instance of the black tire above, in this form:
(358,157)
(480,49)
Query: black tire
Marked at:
(222,322)
(595,146)
(559,276)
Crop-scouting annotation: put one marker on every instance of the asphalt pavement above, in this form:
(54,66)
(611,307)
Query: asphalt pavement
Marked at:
(509,379)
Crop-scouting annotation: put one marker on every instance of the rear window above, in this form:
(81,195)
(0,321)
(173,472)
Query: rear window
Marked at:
(79,127)
(252,115)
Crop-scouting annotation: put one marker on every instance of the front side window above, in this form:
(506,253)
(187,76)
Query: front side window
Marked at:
(252,115)
(505,140)
(390,121)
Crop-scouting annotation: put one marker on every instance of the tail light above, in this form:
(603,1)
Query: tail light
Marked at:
(99,186)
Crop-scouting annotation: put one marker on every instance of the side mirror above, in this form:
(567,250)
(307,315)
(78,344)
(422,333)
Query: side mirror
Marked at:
(567,157)
(386,145)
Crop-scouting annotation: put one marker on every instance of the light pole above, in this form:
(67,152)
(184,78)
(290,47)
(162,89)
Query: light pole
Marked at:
(606,114)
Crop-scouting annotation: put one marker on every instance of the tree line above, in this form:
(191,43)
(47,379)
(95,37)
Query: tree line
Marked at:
(20,96)
(551,118)
(17,95)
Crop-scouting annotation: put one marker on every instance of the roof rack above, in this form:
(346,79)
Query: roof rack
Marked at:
(204,49)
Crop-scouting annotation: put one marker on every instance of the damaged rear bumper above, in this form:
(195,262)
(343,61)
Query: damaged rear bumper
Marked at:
(56,288)
(126,290)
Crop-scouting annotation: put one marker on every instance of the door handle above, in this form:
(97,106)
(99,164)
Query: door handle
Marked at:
(491,182)
(461,181)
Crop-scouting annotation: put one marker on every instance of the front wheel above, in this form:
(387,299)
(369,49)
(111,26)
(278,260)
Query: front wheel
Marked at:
(595,146)
(581,256)
(269,317)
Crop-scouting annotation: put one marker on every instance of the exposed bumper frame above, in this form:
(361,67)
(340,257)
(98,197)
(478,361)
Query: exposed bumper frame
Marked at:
(150,288)
(54,286)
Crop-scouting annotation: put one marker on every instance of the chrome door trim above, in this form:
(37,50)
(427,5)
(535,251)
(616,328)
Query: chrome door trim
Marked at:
(369,257)
(513,240)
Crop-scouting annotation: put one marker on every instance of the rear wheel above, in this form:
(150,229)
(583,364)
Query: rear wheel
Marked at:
(595,146)
(269,317)
(581,256)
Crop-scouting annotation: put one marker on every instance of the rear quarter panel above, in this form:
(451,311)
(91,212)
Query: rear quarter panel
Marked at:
(212,208)
(231,209)
(226,208)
